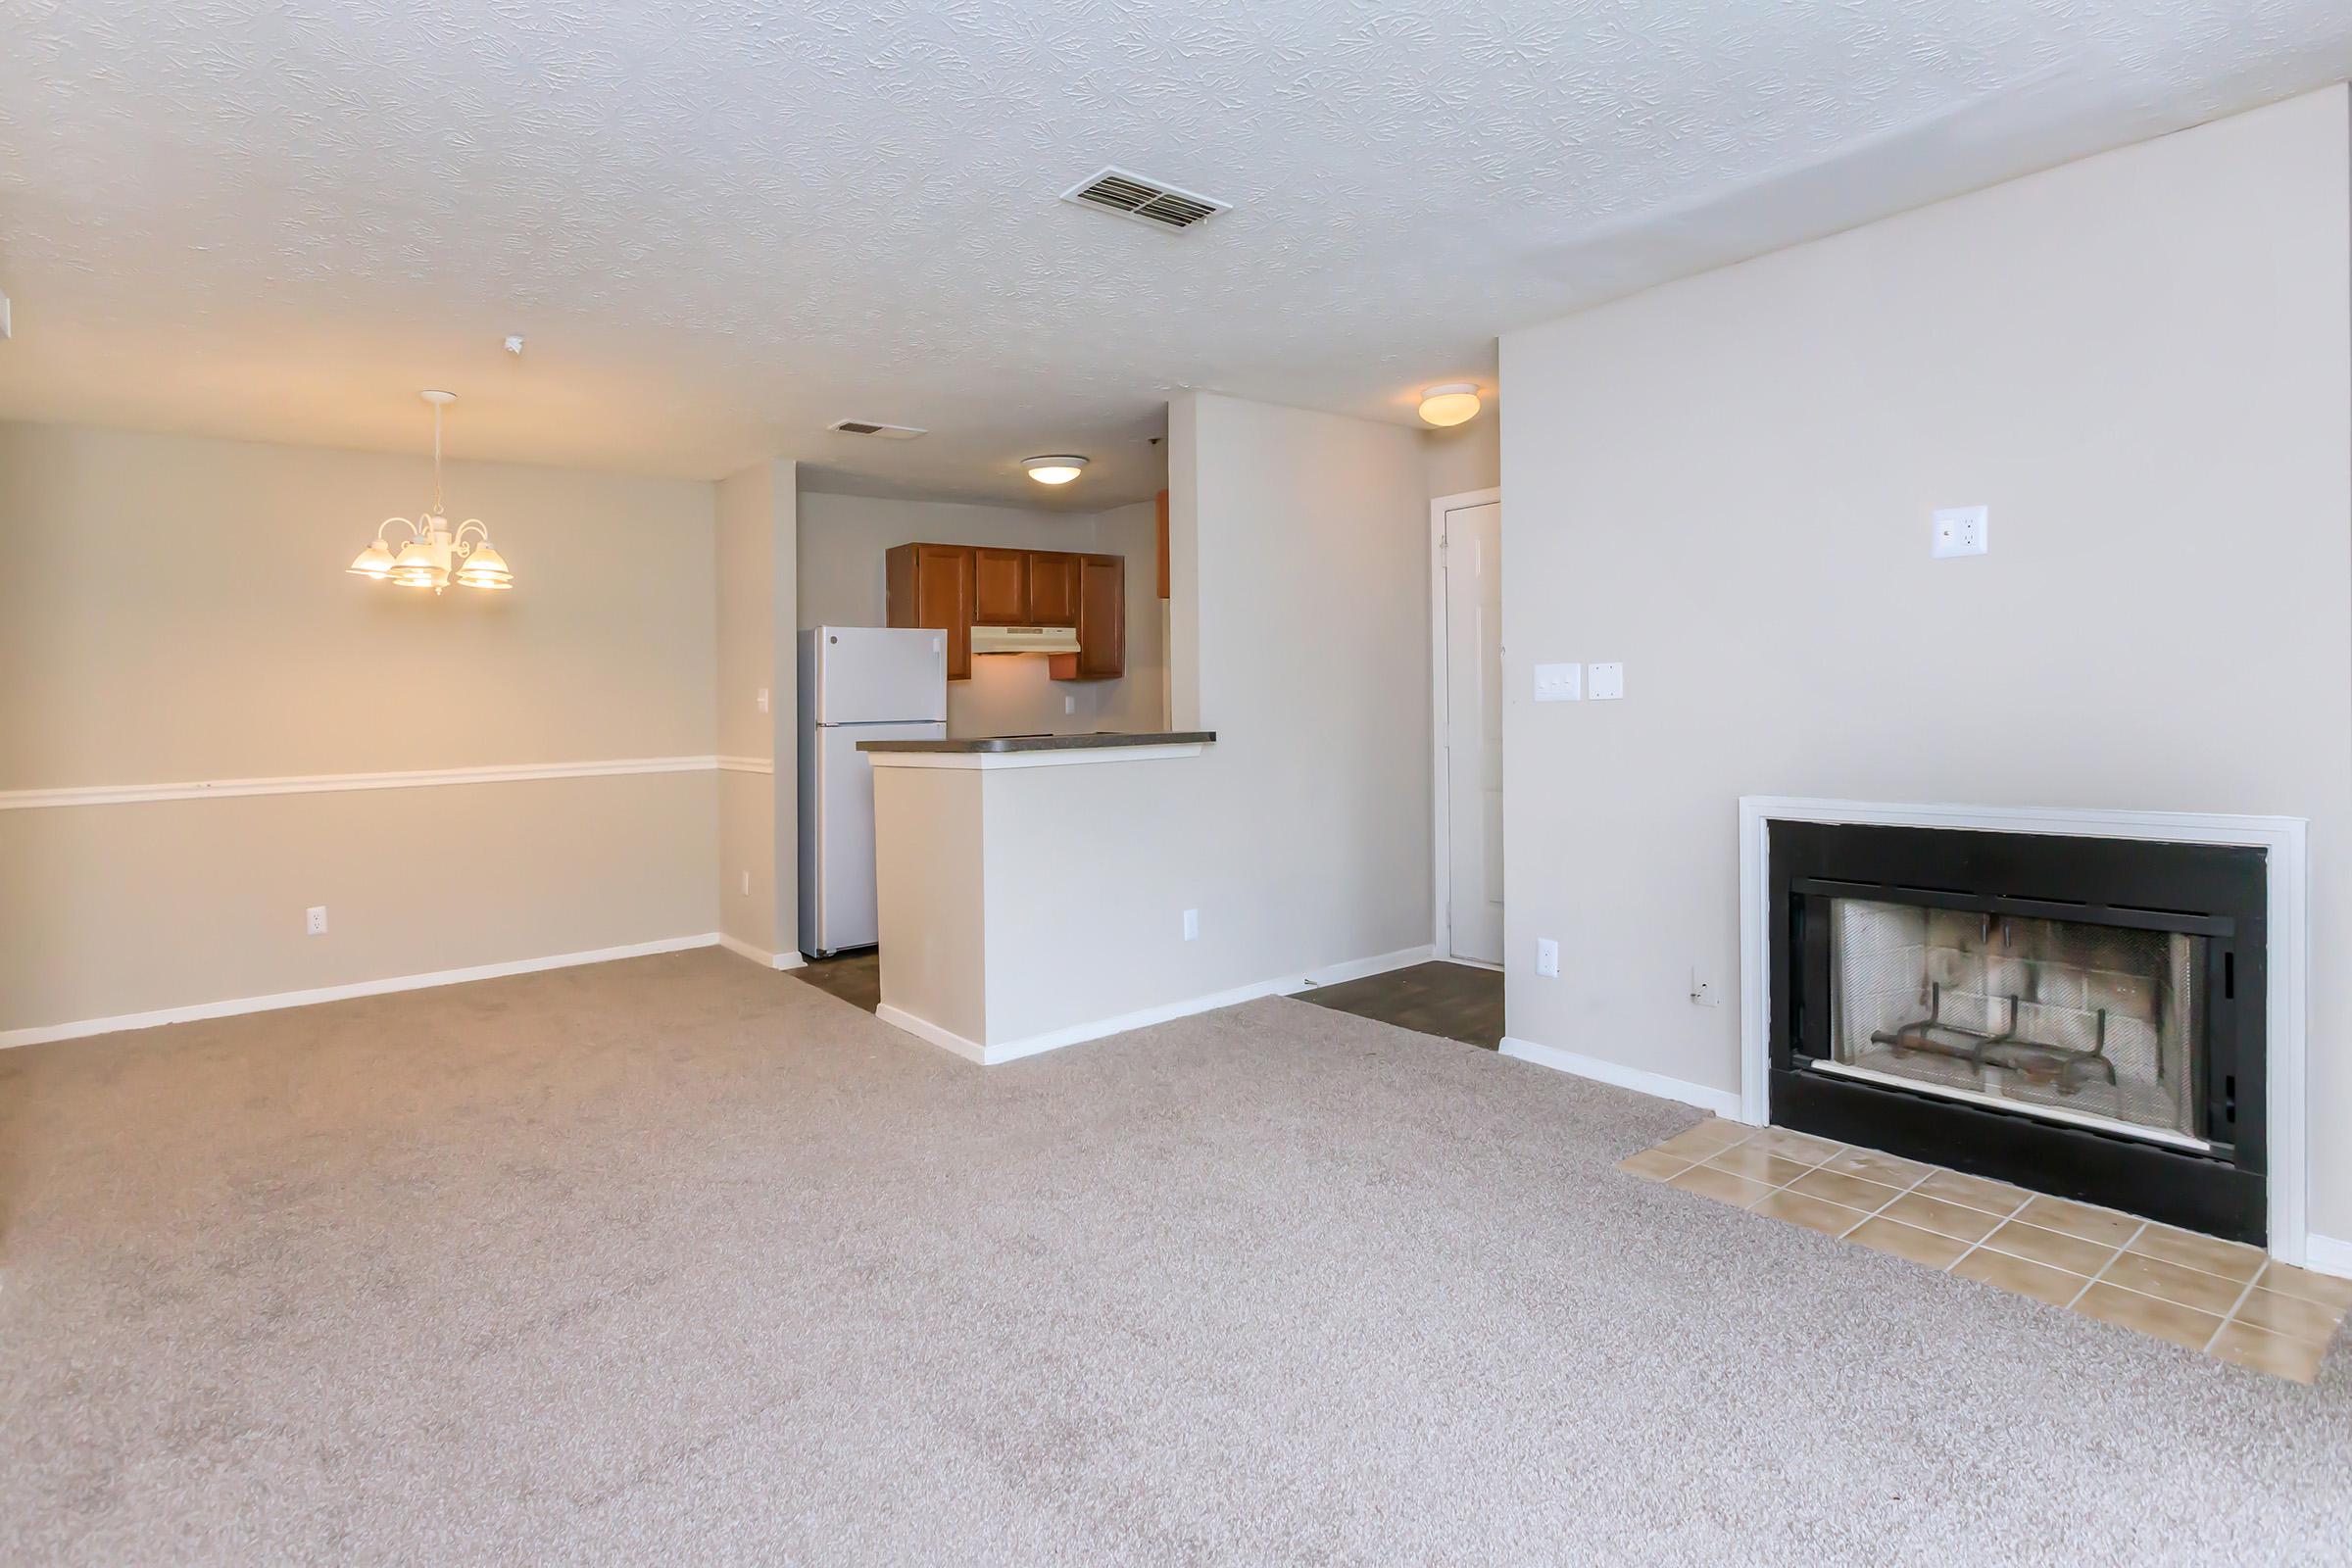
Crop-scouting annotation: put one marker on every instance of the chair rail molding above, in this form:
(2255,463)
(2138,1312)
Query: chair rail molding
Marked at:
(330,783)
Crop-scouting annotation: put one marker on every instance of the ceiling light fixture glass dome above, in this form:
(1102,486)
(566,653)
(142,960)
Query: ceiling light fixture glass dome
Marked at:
(1054,470)
(1454,402)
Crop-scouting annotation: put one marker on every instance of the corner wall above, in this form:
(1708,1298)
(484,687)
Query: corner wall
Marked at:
(2141,361)
(759,779)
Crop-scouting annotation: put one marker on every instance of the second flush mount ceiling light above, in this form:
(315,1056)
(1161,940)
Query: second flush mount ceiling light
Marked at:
(1454,402)
(1056,469)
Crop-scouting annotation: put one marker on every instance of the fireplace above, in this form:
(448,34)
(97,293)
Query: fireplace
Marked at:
(2077,1014)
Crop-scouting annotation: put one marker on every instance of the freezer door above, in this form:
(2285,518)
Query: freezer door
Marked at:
(878,674)
(843,822)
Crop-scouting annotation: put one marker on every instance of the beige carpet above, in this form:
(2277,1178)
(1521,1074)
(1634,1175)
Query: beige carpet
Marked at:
(679,1258)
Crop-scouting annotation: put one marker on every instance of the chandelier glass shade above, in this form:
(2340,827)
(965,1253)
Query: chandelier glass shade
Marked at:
(436,552)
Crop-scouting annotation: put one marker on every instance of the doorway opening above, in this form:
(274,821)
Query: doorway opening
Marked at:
(1465,548)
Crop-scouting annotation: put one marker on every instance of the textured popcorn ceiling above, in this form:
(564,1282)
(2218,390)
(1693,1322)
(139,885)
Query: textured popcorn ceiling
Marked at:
(724,223)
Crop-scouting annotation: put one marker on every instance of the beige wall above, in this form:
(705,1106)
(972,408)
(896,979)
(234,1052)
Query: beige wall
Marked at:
(2141,362)
(1465,457)
(842,541)
(177,609)
(1299,547)
(757,792)
(1138,702)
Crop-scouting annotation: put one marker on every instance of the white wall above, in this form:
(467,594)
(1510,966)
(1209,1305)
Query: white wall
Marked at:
(759,786)
(842,542)
(177,609)
(1299,549)
(1465,457)
(2141,361)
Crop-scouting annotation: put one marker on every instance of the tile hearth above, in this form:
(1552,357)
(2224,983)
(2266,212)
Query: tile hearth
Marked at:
(2223,1298)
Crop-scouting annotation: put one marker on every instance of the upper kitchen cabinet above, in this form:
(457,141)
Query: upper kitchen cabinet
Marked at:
(1000,594)
(1102,622)
(1052,588)
(931,585)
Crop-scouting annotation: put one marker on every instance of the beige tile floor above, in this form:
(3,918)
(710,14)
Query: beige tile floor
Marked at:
(2222,1298)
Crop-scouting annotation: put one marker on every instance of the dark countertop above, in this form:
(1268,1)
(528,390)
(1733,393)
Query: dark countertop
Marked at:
(990,744)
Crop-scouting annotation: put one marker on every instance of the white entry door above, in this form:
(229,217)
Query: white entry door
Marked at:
(1472,737)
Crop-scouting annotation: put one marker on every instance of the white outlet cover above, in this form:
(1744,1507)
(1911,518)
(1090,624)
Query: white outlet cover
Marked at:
(1961,531)
(1192,926)
(1548,957)
(763,699)
(1607,682)
(315,919)
(1560,683)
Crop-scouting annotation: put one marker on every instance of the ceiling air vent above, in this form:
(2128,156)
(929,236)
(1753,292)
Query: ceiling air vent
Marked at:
(888,432)
(1147,201)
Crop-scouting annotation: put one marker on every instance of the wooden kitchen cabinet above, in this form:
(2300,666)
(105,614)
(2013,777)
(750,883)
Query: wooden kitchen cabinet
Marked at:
(931,585)
(1000,589)
(952,588)
(1102,622)
(1052,588)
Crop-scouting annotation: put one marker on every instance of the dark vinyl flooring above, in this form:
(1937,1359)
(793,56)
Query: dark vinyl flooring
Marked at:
(1453,1000)
(854,977)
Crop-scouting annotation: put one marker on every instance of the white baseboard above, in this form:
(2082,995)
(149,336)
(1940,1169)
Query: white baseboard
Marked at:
(2325,1255)
(1722,1102)
(1121,1023)
(924,1029)
(760,955)
(44,1033)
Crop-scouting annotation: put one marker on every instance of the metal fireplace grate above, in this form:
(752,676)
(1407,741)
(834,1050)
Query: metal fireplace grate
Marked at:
(2081,1022)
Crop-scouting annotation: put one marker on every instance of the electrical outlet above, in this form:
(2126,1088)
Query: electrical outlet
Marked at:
(1961,531)
(314,920)
(1069,705)
(763,699)
(1548,957)
(1192,926)
(1703,991)
(747,884)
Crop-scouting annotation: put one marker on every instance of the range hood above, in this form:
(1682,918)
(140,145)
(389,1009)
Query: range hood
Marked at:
(1024,639)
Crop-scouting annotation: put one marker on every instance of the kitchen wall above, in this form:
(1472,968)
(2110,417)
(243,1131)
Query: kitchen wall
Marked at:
(842,541)
(759,841)
(176,610)
(2141,361)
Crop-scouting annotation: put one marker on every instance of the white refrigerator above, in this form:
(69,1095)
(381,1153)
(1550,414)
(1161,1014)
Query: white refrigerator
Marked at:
(858,683)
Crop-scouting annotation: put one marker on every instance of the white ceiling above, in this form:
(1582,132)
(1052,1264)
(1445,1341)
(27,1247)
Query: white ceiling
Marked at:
(724,225)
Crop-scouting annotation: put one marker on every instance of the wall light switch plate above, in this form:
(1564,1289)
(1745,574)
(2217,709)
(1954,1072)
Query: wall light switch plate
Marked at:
(1560,683)
(1069,705)
(746,883)
(1961,531)
(763,699)
(3,327)
(1548,957)
(314,920)
(1192,926)
(1607,682)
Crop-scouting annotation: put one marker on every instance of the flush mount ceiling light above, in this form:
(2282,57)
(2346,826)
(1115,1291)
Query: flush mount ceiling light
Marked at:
(1454,402)
(436,554)
(1059,469)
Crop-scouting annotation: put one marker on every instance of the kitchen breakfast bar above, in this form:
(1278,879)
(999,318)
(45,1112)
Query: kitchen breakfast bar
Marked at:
(1027,896)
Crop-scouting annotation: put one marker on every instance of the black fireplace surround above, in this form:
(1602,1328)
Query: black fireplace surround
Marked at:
(2215,893)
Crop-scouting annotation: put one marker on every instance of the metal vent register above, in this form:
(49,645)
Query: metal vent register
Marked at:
(2078,1022)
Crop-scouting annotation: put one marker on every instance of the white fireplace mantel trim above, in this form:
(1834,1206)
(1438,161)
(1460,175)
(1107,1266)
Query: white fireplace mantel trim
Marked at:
(2280,838)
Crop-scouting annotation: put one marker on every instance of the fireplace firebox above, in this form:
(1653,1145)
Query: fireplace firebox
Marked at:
(2077,1015)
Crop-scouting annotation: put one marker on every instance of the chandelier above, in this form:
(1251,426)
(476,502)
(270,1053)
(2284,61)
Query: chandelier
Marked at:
(436,554)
